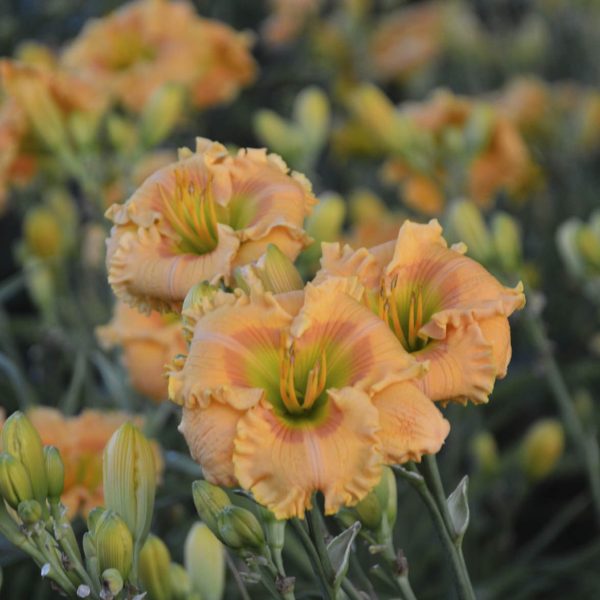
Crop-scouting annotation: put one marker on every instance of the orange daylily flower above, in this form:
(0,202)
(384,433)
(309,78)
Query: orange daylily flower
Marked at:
(287,20)
(444,307)
(299,392)
(148,342)
(147,43)
(407,40)
(502,163)
(199,218)
(81,442)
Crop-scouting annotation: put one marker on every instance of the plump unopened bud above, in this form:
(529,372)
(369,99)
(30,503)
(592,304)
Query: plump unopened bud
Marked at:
(21,440)
(161,113)
(200,295)
(129,476)
(485,451)
(277,272)
(588,245)
(112,581)
(114,544)
(121,132)
(239,529)
(209,501)
(204,559)
(282,136)
(365,206)
(274,529)
(30,511)
(468,226)
(312,113)
(15,485)
(55,472)
(507,241)
(542,447)
(93,518)
(42,232)
(379,503)
(325,222)
(181,584)
(155,562)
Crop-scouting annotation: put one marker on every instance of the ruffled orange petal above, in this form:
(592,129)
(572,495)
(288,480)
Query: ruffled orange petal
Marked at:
(234,351)
(411,425)
(461,366)
(209,432)
(356,341)
(146,271)
(282,465)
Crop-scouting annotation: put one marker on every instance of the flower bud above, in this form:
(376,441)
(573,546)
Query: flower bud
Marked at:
(209,500)
(588,245)
(542,447)
(200,295)
(161,113)
(83,127)
(280,135)
(366,206)
(114,544)
(239,529)
(204,559)
(181,585)
(155,562)
(30,511)
(485,451)
(506,235)
(15,485)
(312,113)
(112,581)
(325,222)
(277,272)
(129,474)
(93,518)
(379,503)
(21,440)
(274,529)
(121,133)
(567,241)
(469,227)
(42,232)
(55,472)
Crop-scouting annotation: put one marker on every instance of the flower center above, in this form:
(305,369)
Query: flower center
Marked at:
(298,401)
(192,213)
(405,313)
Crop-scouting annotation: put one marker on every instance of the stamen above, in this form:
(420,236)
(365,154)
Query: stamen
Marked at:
(192,214)
(317,378)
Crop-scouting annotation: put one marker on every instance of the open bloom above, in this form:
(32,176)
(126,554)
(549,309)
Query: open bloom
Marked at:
(148,343)
(81,441)
(148,43)
(199,218)
(444,307)
(299,392)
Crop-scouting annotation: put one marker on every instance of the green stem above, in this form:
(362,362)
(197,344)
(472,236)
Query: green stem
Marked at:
(586,444)
(317,532)
(314,558)
(238,579)
(400,579)
(350,590)
(463,584)
(47,547)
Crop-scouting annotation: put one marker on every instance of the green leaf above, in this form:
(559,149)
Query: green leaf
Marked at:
(338,550)
(458,506)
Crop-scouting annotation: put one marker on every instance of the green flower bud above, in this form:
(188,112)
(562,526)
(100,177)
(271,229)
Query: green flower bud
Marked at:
(588,245)
(567,241)
(312,113)
(161,113)
(121,132)
(274,529)
(542,448)
(506,235)
(366,206)
(15,485)
(181,585)
(93,518)
(239,529)
(469,227)
(369,511)
(274,270)
(379,504)
(129,476)
(204,559)
(283,137)
(21,440)
(43,233)
(200,295)
(154,568)
(325,222)
(485,451)
(55,472)
(209,500)
(30,511)
(114,544)
(388,481)
(112,581)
